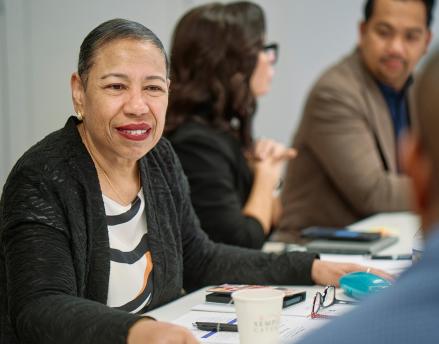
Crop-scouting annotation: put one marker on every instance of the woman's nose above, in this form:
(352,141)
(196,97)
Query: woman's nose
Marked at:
(137,103)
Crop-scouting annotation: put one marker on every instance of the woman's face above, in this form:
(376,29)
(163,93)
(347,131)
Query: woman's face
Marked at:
(124,103)
(260,81)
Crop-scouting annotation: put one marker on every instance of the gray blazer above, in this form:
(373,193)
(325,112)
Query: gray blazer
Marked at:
(346,168)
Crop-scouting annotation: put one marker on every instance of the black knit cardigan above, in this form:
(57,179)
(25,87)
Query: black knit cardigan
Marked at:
(54,249)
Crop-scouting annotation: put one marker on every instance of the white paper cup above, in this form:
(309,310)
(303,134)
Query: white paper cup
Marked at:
(258,312)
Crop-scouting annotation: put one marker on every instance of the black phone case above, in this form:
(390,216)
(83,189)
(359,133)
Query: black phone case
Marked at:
(226,298)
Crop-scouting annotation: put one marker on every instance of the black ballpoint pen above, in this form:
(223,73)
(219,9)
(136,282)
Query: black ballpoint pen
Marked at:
(393,257)
(212,326)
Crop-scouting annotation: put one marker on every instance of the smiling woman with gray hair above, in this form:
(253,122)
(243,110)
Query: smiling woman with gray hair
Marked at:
(96,223)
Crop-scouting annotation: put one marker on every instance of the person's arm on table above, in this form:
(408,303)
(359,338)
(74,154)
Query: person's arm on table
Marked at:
(208,263)
(328,273)
(276,211)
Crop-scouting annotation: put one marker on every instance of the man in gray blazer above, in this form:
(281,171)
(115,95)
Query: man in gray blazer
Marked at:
(347,167)
(407,312)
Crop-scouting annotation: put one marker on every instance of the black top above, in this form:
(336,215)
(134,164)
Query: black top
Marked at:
(220,182)
(55,255)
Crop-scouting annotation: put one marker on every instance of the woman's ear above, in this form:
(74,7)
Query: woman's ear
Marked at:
(78,92)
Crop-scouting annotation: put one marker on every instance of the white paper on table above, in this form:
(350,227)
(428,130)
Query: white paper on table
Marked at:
(394,267)
(302,309)
(337,309)
(291,328)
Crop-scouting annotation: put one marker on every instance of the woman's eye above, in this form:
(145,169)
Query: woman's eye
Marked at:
(154,88)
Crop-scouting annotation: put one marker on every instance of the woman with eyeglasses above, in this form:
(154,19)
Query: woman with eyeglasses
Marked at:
(221,64)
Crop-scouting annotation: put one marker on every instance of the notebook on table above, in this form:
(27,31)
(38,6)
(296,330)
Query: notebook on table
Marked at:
(350,247)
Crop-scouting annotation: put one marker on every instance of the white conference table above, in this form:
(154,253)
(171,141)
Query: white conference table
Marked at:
(403,224)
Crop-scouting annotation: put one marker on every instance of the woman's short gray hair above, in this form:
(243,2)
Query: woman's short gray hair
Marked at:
(109,31)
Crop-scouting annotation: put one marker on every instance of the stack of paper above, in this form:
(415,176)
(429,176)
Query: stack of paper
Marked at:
(295,320)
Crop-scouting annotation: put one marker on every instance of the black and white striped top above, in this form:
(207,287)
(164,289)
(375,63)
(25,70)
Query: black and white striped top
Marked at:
(130,285)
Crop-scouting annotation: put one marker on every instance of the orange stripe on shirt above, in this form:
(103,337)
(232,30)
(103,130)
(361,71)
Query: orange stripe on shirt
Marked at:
(148,270)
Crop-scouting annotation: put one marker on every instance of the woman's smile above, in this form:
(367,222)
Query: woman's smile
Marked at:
(135,131)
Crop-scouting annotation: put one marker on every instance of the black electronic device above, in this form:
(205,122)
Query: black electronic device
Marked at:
(330,233)
(222,294)
(350,247)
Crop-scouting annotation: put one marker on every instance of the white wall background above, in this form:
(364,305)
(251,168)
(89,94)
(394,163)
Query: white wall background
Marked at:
(40,39)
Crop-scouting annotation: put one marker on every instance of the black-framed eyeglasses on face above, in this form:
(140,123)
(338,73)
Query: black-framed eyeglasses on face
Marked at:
(272,49)
(326,299)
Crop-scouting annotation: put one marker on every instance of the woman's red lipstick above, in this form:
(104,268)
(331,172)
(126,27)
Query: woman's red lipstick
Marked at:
(135,131)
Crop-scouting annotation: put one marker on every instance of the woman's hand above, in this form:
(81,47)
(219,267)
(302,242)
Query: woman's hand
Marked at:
(157,332)
(267,148)
(267,161)
(269,157)
(328,273)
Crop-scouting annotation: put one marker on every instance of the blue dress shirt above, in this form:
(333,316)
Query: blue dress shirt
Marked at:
(397,103)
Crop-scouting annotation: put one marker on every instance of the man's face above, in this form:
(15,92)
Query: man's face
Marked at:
(394,39)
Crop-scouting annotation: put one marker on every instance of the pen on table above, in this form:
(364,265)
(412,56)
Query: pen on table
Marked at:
(213,326)
(393,257)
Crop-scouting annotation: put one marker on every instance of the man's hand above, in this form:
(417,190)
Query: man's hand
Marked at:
(157,332)
(328,273)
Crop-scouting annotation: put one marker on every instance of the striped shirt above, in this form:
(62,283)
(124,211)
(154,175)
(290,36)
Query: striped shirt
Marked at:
(130,284)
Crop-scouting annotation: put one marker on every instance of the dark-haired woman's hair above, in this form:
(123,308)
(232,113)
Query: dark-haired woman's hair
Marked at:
(110,31)
(214,52)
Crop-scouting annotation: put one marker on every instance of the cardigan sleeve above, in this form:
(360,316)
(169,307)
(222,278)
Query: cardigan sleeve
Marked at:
(212,169)
(207,263)
(44,302)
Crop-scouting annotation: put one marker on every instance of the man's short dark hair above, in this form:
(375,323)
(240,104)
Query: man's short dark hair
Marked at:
(429,5)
